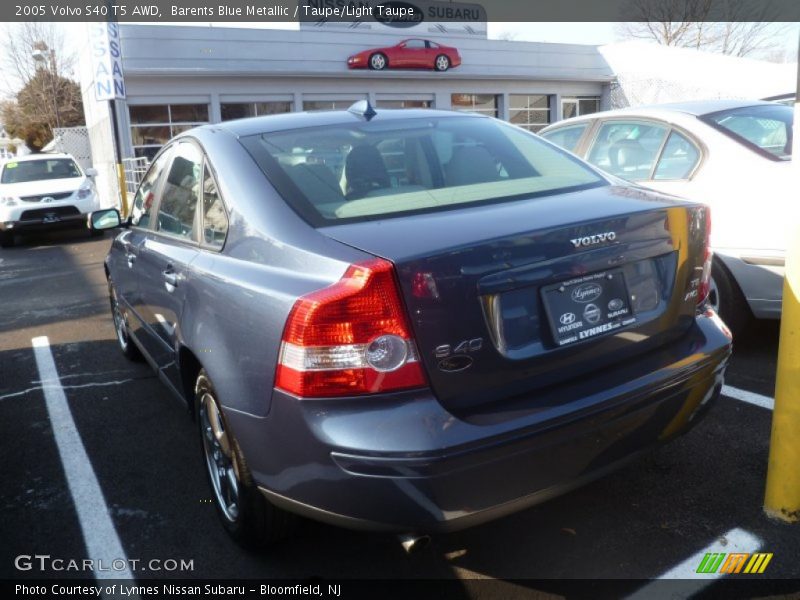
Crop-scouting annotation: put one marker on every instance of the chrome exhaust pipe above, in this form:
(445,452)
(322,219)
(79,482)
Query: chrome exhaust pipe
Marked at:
(413,543)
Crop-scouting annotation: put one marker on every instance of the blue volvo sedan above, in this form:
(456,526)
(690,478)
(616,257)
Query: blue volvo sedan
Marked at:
(411,321)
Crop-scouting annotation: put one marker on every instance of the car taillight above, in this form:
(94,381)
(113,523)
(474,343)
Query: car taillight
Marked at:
(350,338)
(705,279)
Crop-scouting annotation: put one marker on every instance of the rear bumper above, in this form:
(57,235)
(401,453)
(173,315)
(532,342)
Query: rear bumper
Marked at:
(404,463)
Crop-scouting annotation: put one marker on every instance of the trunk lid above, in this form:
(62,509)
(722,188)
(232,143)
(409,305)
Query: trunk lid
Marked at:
(489,290)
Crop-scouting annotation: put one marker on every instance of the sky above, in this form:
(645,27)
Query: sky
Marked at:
(597,33)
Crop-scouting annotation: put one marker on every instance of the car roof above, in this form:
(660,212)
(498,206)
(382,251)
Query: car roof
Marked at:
(704,107)
(696,108)
(323,118)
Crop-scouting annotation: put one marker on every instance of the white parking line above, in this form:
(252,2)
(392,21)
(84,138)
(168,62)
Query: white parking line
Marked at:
(64,387)
(736,540)
(99,534)
(749,397)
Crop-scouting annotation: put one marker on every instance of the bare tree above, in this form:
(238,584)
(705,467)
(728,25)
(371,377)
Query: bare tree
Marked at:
(24,47)
(734,27)
(38,70)
(507,35)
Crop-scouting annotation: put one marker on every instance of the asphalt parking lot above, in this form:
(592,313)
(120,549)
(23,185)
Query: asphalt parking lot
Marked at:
(702,493)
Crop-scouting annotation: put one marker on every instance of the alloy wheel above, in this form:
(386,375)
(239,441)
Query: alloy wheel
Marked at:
(378,62)
(119,322)
(219,457)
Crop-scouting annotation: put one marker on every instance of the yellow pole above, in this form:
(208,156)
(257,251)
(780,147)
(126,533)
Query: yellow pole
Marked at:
(782,498)
(123,189)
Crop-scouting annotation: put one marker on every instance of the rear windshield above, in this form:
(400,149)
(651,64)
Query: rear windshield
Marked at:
(375,169)
(766,129)
(35,170)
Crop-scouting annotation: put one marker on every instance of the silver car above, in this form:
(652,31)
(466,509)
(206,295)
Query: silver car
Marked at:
(733,155)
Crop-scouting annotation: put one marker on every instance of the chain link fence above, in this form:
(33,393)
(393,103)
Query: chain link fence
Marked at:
(637,90)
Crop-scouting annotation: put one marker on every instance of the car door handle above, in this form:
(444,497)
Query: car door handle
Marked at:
(171,277)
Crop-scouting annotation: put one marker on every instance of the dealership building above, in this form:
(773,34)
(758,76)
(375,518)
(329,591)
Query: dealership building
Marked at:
(177,77)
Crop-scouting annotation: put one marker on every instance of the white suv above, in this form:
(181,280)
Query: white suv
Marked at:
(42,191)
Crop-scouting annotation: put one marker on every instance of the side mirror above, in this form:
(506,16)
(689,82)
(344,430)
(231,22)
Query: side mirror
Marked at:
(90,172)
(107,218)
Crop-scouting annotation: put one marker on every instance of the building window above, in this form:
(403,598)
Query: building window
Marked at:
(153,125)
(531,111)
(328,104)
(479,103)
(242,110)
(575,107)
(403,103)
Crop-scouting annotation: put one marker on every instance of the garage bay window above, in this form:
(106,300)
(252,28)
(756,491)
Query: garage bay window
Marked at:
(485,104)
(403,103)
(329,104)
(531,111)
(242,110)
(581,105)
(152,125)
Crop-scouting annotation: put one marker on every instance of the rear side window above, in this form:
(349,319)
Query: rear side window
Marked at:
(145,195)
(627,149)
(375,169)
(566,137)
(215,219)
(766,129)
(181,192)
(678,159)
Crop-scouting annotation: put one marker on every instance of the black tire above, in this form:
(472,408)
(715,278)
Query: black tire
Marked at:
(126,345)
(727,299)
(378,61)
(6,239)
(245,514)
(441,63)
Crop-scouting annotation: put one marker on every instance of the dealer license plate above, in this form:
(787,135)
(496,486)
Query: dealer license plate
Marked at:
(588,306)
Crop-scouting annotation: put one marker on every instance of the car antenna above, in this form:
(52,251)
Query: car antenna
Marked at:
(362,108)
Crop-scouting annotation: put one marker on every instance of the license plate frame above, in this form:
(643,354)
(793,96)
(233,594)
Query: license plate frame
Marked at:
(586,307)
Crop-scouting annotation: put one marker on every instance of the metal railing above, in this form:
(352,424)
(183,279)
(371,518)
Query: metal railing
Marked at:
(135,168)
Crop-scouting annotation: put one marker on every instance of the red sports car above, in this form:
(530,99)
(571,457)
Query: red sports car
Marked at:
(408,54)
